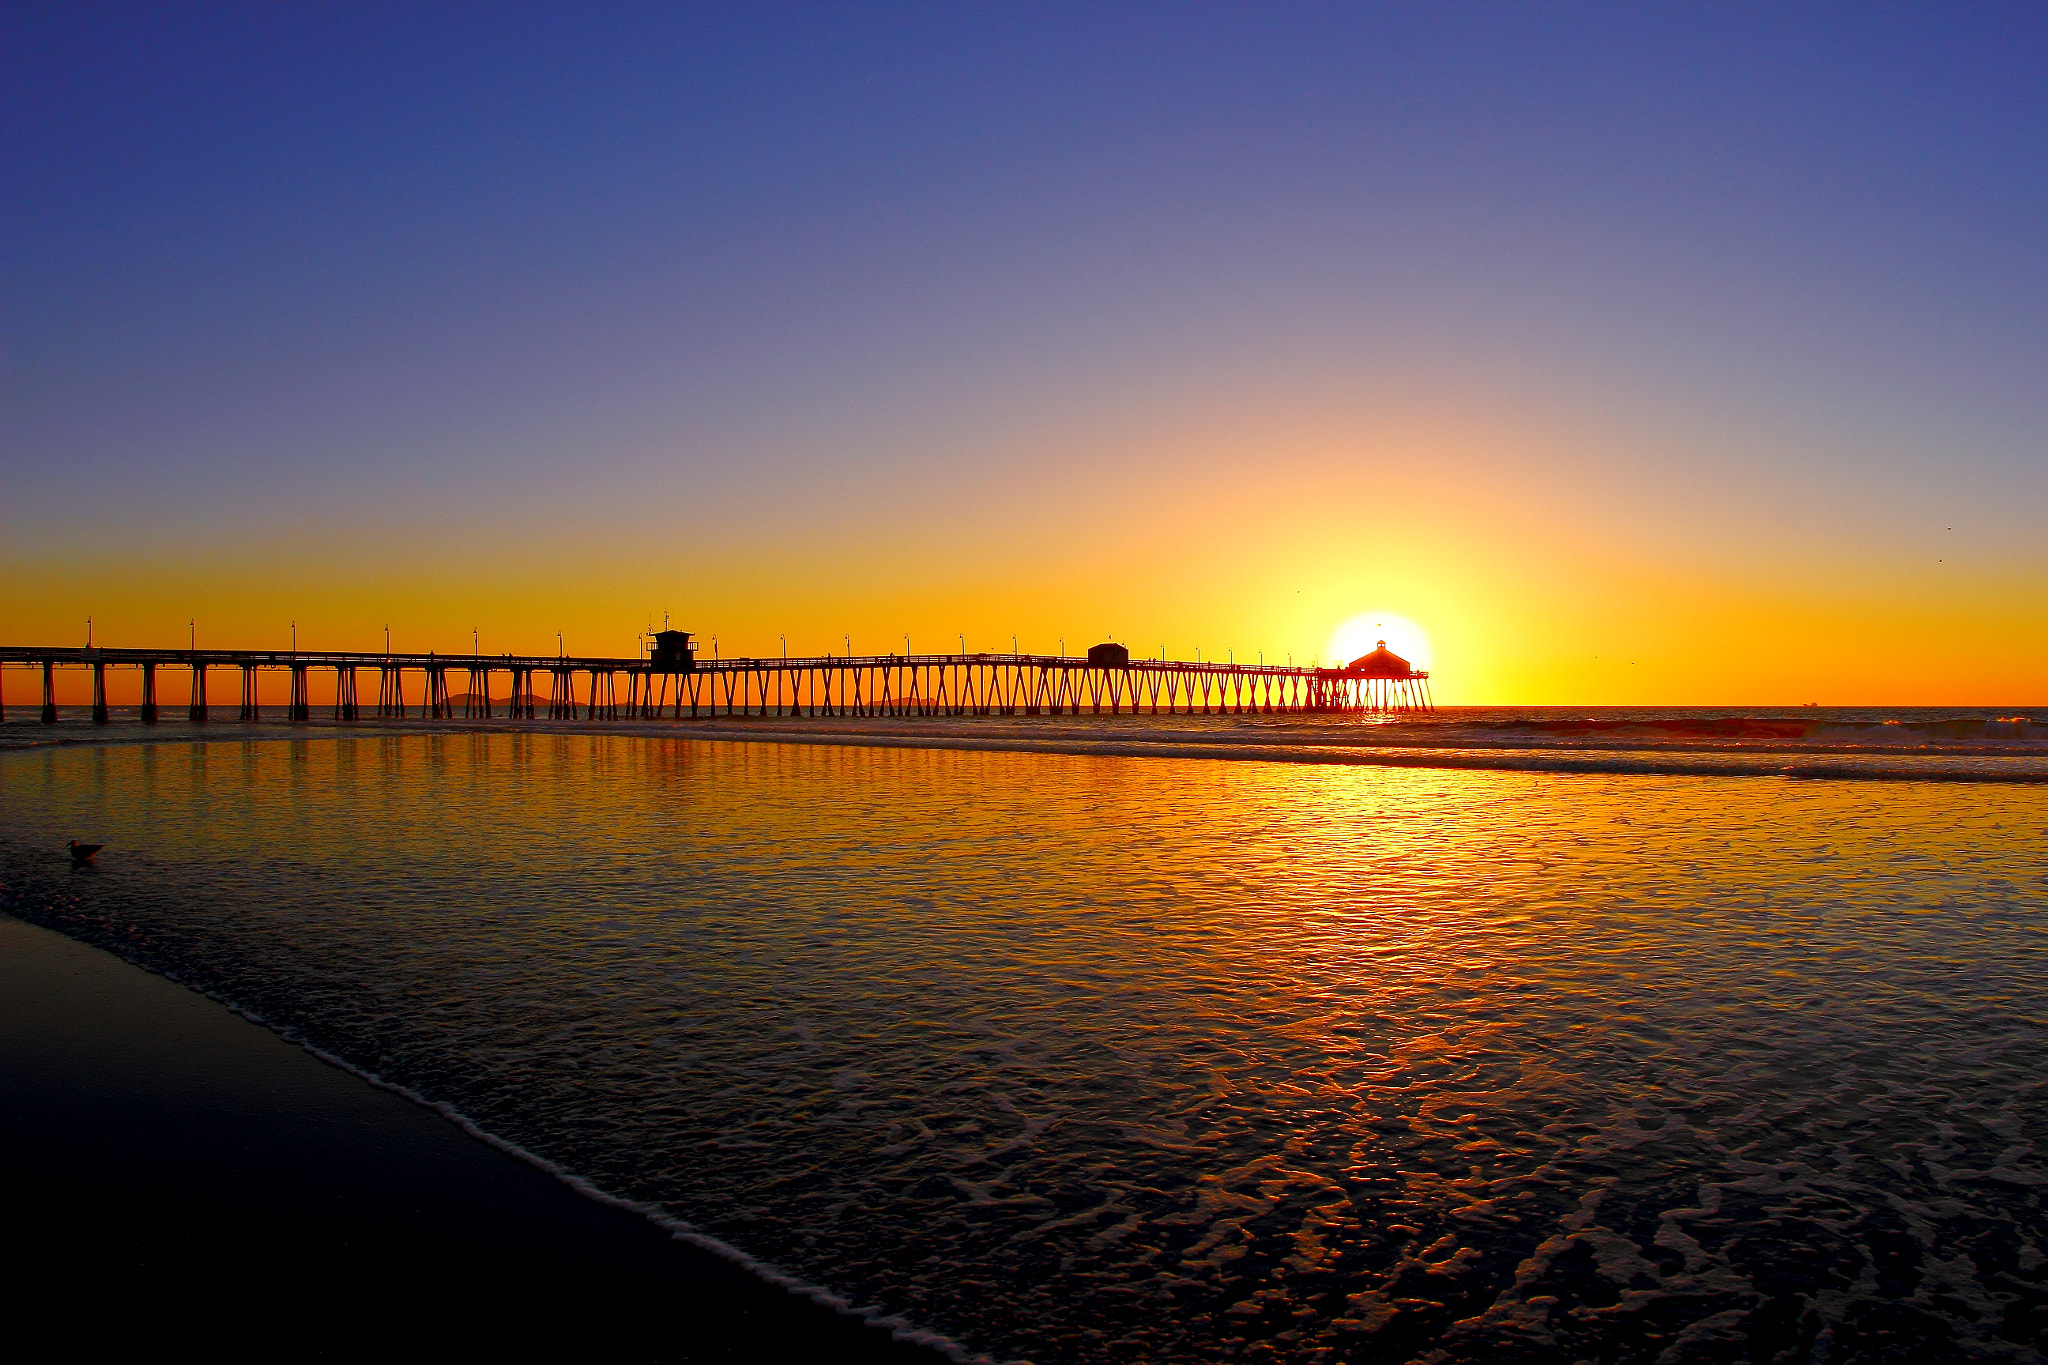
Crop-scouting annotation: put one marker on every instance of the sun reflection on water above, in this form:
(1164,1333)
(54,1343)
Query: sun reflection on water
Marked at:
(1100,1058)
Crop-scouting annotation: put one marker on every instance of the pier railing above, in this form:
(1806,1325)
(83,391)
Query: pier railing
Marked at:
(597,688)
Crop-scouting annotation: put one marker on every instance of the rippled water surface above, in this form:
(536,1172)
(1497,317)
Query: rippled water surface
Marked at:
(1100,1058)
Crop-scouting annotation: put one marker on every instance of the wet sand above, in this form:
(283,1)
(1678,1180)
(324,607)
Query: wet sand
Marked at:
(178,1174)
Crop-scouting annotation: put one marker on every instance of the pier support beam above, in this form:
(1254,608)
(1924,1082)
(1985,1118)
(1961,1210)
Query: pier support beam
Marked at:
(889,685)
(345,692)
(478,702)
(390,691)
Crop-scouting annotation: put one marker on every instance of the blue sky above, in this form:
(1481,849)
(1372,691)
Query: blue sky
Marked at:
(317,286)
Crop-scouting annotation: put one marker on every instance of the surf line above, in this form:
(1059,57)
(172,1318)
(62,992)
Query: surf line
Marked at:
(899,1328)
(1467,760)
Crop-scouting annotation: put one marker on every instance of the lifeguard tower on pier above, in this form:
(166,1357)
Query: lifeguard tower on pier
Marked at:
(672,652)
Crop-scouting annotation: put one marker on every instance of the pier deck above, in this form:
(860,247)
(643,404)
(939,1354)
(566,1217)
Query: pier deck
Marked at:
(598,688)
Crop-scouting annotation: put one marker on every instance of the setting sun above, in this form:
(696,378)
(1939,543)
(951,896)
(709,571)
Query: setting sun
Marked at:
(1361,634)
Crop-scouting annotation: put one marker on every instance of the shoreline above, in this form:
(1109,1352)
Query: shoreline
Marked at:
(1326,747)
(178,1163)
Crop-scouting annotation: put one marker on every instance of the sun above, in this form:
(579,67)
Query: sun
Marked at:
(1361,634)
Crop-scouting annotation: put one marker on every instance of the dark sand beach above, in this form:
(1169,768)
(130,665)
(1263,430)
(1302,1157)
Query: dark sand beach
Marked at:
(179,1173)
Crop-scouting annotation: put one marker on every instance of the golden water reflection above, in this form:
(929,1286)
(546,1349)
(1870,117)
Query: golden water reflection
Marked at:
(1098,1058)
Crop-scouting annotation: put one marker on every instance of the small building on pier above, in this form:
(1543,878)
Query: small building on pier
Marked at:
(1381,663)
(673,652)
(1108,656)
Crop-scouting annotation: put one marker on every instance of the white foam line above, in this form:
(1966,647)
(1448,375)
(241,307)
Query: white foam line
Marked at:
(899,1328)
(1350,750)
(1551,761)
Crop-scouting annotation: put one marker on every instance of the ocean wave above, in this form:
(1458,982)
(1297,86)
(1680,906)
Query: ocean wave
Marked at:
(1987,745)
(1871,768)
(2005,732)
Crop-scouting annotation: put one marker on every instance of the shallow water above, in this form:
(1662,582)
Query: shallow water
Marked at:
(1084,1057)
(1967,744)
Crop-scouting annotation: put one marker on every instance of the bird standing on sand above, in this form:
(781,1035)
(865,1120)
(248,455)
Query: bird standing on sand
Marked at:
(81,854)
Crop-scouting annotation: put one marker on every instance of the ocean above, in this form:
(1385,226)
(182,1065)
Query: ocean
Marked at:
(1590,1035)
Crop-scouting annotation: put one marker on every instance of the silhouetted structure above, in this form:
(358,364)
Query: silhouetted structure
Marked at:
(672,652)
(1389,681)
(1381,663)
(673,678)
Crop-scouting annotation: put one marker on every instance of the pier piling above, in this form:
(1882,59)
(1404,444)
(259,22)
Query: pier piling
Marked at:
(676,686)
(345,692)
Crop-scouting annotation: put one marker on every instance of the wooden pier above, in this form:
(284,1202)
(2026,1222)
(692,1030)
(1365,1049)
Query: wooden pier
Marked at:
(682,687)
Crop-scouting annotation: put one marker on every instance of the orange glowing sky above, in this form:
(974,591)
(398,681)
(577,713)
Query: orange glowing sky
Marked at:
(1664,373)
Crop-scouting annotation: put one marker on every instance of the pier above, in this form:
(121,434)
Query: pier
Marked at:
(670,682)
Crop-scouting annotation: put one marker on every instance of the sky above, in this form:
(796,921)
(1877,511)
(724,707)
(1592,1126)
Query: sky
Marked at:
(1637,354)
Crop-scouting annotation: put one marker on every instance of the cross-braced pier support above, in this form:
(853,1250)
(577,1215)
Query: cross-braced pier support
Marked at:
(478,701)
(391,691)
(345,693)
(561,694)
(884,685)
(438,704)
(604,697)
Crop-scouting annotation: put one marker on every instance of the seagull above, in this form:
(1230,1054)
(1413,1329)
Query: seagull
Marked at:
(81,854)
